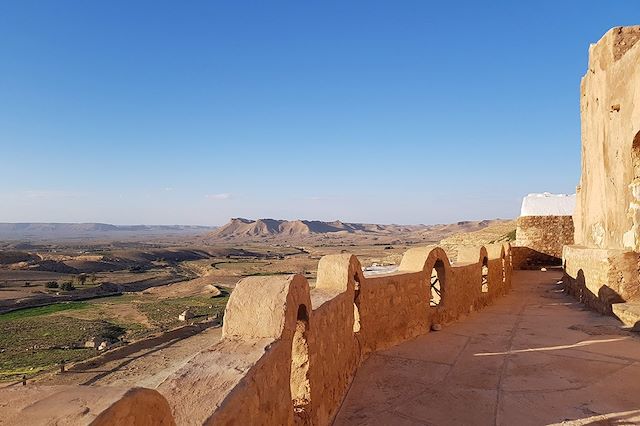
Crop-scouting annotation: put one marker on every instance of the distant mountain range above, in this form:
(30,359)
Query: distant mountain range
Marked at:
(39,231)
(240,229)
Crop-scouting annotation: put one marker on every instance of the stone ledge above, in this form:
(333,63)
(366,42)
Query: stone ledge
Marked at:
(628,313)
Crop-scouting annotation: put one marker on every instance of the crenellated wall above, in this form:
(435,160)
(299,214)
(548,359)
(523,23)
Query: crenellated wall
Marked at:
(267,371)
(289,352)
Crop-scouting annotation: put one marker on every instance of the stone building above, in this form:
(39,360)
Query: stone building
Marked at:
(603,265)
(545,225)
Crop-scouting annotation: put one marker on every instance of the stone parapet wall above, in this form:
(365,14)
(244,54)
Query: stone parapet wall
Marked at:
(289,352)
(601,277)
(83,405)
(545,234)
(253,374)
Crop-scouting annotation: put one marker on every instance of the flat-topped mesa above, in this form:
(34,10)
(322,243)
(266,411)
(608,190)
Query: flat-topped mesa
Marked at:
(602,265)
(289,352)
(297,231)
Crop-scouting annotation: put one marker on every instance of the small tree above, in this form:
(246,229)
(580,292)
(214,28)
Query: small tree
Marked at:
(67,286)
(51,284)
(82,278)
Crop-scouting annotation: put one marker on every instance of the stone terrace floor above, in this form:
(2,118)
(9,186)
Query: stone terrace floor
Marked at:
(534,357)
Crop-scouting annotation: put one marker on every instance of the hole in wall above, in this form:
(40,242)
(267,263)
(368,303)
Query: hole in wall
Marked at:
(437,283)
(485,275)
(356,303)
(504,269)
(300,385)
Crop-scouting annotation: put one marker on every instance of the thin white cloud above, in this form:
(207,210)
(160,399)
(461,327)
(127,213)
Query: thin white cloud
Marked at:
(50,194)
(222,196)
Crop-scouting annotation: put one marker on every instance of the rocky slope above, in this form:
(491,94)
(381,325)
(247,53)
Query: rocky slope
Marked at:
(240,229)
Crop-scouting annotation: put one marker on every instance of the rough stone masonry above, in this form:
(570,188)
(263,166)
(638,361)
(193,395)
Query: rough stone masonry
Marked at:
(602,268)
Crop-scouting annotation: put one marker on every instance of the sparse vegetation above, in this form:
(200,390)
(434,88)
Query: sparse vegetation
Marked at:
(41,310)
(164,313)
(51,284)
(54,333)
(27,347)
(67,286)
(81,279)
(36,339)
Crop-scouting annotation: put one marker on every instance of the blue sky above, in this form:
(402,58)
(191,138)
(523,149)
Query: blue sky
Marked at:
(370,111)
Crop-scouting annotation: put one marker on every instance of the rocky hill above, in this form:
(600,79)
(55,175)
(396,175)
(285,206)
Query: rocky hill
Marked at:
(240,229)
(496,232)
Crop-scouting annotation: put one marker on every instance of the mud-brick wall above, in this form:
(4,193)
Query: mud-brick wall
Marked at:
(545,234)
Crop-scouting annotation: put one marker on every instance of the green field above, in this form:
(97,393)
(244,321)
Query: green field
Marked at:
(164,313)
(42,310)
(36,339)
(36,342)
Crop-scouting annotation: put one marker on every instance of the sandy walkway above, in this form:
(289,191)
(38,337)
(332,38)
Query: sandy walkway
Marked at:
(534,357)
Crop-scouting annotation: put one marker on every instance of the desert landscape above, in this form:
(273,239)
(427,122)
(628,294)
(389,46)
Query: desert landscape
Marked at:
(100,287)
(319,213)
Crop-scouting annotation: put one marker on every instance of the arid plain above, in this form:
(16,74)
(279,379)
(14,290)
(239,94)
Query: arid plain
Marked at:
(130,307)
